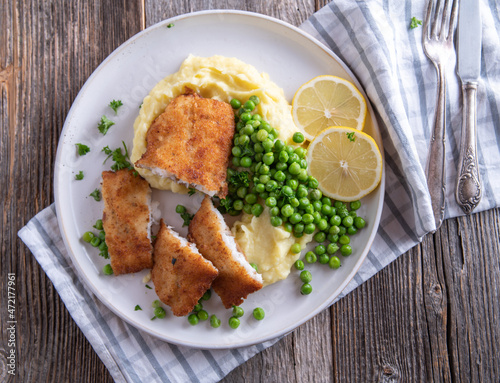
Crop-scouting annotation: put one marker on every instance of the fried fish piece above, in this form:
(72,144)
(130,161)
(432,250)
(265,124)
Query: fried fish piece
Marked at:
(237,278)
(127,221)
(190,142)
(180,274)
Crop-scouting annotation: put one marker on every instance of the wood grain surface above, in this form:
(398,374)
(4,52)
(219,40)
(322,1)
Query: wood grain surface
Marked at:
(430,316)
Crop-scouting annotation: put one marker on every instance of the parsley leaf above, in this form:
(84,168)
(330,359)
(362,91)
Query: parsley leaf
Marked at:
(96,194)
(415,22)
(121,160)
(351,137)
(115,104)
(149,287)
(186,218)
(170,25)
(240,179)
(79,176)
(104,125)
(191,191)
(82,149)
(226,204)
(137,308)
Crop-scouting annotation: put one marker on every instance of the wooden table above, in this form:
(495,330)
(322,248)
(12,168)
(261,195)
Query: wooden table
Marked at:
(432,315)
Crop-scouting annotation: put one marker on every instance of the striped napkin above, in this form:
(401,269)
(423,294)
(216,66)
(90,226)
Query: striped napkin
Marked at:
(376,42)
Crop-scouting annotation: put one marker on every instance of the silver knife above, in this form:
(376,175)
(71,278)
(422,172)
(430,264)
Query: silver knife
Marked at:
(468,191)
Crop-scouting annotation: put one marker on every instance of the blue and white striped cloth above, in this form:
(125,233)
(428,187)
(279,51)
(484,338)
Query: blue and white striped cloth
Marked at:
(375,41)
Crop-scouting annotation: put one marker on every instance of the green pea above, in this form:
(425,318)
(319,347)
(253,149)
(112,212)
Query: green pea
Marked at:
(348,221)
(355,205)
(88,236)
(306,289)
(236,104)
(295,218)
(102,237)
(298,228)
(258,313)
(257,209)
(98,224)
(294,202)
(327,210)
(193,319)
(264,170)
(258,156)
(159,312)
(276,221)
(312,183)
(309,209)
(202,315)
(254,99)
(271,185)
(323,258)
(315,195)
(156,303)
(290,149)
(307,218)
(302,176)
(351,230)
(334,262)
(287,210)
(294,168)
(245,117)
(288,227)
(260,187)
(95,242)
(309,228)
(268,158)
(271,202)
(262,135)
(317,215)
(243,140)
(344,240)
(301,152)
(353,214)
(248,130)
(279,176)
(296,248)
(238,312)
(197,307)
(298,138)
(359,222)
(299,265)
(306,276)
(107,269)
(265,125)
(333,230)
(310,257)
(247,209)
(332,248)
(249,105)
(346,250)
(214,321)
(234,323)
(279,145)
(320,237)
(322,224)
(320,249)
(180,209)
(236,162)
(246,162)
(335,220)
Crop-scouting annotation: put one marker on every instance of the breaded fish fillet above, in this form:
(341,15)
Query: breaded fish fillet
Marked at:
(215,242)
(191,143)
(180,274)
(127,221)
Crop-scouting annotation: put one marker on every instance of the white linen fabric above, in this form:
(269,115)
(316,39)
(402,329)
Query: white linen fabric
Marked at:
(374,39)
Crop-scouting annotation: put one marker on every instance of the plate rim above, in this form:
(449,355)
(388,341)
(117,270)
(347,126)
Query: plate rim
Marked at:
(80,271)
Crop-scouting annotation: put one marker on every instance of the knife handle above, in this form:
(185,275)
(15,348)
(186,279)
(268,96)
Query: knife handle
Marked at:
(468,191)
(435,160)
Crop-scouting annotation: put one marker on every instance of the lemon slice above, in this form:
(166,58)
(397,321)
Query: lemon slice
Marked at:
(328,101)
(346,162)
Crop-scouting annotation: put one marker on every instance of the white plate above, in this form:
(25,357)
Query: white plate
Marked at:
(291,58)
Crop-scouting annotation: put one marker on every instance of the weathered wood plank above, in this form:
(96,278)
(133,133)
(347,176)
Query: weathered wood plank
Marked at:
(48,50)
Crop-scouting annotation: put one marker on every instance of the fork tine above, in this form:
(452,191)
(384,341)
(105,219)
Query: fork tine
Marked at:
(438,10)
(445,18)
(427,20)
(453,17)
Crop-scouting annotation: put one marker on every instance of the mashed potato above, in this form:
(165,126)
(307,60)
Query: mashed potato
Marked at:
(267,246)
(218,77)
(224,78)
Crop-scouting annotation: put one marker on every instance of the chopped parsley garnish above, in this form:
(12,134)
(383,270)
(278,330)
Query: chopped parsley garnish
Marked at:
(104,125)
(79,176)
(186,217)
(191,191)
(149,287)
(96,194)
(137,308)
(140,106)
(82,149)
(115,104)
(226,204)
(415,22)
(121,159)
(351,137)
(170,25)
(240,179)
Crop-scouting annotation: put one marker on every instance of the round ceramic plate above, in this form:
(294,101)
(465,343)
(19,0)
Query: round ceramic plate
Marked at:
(291,58)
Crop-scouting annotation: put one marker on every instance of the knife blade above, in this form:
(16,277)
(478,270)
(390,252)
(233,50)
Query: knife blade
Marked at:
(468,189)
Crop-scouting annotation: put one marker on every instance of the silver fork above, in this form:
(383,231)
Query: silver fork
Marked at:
(437,40)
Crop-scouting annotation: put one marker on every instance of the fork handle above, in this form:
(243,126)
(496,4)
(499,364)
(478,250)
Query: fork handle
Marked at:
(468,191)
(435,163)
